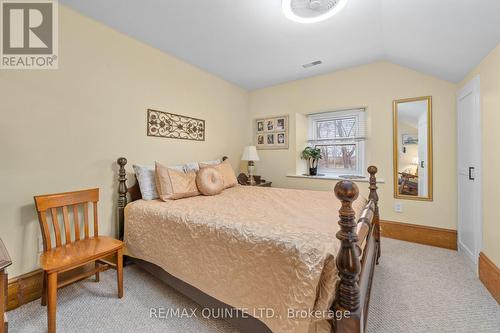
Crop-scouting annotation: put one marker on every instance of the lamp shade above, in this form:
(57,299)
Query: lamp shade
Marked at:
(250,154)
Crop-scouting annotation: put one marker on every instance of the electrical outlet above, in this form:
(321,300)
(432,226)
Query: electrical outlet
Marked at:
(398,207)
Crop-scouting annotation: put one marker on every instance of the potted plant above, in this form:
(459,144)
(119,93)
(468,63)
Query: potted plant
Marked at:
(312,156)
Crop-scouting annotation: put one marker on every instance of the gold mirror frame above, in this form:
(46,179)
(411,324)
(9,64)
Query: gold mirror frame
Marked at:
(395,104)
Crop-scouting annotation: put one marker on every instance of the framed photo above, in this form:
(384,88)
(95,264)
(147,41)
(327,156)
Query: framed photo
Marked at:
(280,138)
(270,125)
(271,133)
(270,139)
(410,139)
(280,124)
(260,126)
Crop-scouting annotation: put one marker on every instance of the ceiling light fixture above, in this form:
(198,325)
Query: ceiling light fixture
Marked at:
(311,11)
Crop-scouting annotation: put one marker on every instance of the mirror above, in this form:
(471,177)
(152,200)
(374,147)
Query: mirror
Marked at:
(413,148)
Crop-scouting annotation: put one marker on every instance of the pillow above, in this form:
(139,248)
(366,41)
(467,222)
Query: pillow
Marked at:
(226,171)
(179,168)
(172,184)
(214,162)
(191,166)
(195,166)
(145,175)
(209,181)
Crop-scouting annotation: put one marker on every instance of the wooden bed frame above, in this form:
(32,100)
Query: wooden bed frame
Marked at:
(356,259)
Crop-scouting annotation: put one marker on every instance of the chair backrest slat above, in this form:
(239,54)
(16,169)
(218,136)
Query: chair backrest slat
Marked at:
(77,222)
(86,219)
(96,231)
(54,202)
(55,224)
(42,218)
(67,228)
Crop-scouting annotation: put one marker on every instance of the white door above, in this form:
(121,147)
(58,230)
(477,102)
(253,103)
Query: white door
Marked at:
(469,170)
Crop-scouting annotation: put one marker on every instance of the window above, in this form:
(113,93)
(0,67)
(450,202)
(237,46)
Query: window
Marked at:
(341,136)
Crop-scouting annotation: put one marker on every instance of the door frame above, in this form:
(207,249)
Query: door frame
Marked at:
(472,87)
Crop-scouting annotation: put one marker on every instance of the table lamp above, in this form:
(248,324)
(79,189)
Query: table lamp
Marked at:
(250,155)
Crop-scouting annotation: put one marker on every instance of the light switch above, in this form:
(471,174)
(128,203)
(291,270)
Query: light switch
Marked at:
(398,207)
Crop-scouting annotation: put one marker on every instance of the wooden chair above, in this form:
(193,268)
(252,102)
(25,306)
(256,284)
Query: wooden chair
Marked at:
(74,259)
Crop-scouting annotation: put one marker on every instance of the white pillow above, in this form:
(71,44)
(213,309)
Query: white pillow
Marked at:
(145,175)
(214,162)
(191,166)
(195,166)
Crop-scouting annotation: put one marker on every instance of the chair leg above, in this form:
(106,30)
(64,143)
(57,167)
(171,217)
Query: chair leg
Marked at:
(96,265)
(52,302)
(44,288)
(119,272)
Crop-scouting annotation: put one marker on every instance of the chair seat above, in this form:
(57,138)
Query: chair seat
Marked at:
(77,253)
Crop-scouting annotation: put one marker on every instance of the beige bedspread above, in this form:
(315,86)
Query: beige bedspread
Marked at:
(250,247)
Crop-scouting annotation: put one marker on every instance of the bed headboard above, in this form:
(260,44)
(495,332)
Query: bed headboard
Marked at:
(127,194)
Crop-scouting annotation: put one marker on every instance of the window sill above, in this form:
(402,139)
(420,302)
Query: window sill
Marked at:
(334,177)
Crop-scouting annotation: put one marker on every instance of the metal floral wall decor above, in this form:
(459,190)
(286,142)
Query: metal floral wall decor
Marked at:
(174,126)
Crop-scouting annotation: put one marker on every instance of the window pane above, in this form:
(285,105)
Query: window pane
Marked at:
(336,128)
(338,158)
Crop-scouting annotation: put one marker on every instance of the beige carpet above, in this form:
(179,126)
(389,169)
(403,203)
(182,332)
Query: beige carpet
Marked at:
(416,289)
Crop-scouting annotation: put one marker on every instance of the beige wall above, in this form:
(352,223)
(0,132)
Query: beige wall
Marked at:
(62,130)
(489,71)
(373,86)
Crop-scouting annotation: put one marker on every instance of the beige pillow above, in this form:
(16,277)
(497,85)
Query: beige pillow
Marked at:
(172,184)
(209,181)
(226,171)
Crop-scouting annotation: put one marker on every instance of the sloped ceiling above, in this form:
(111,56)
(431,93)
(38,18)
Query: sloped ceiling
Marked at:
(252,44)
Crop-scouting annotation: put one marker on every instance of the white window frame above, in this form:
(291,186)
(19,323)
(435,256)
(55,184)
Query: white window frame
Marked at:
(358,113)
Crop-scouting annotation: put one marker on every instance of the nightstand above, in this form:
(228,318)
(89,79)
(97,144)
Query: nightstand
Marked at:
(243,180)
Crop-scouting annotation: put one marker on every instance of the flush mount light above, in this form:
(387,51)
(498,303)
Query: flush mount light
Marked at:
(311,11)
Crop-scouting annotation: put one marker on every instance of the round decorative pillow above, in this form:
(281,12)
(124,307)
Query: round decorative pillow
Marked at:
(209,181)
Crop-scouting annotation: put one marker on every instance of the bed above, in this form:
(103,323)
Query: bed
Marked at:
(269,259)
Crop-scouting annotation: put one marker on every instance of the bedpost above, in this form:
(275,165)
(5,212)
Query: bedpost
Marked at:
(348,261)
(372,170)
(122,194)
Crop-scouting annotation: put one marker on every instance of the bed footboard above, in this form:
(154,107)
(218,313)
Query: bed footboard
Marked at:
(356,266)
